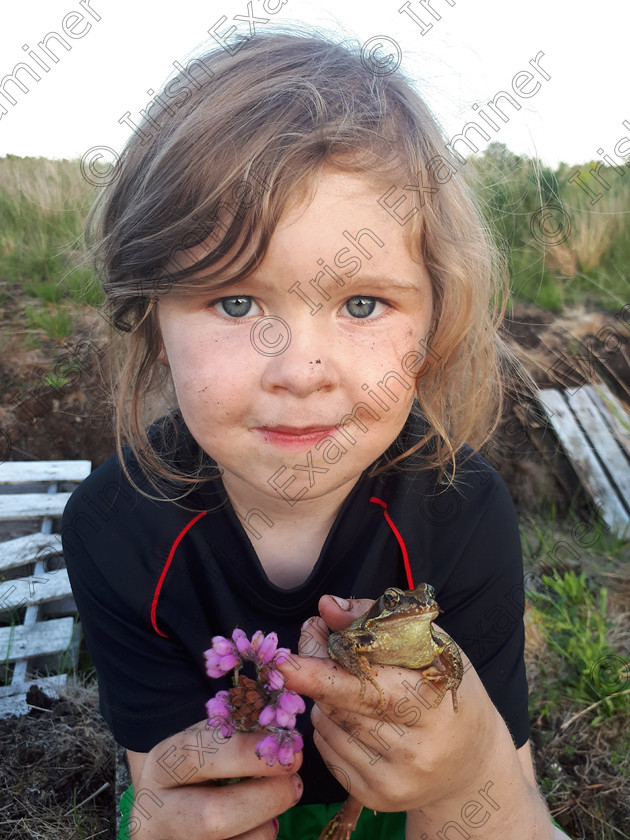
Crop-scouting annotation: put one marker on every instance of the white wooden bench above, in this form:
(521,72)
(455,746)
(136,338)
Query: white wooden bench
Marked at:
(593,427)
(38,614)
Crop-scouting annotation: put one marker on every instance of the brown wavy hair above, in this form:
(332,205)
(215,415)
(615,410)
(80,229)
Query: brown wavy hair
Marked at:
(236,140)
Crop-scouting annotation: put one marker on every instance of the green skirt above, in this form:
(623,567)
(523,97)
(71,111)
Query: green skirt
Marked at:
(304,822)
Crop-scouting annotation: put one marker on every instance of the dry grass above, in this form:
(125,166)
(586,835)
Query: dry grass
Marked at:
(53,760)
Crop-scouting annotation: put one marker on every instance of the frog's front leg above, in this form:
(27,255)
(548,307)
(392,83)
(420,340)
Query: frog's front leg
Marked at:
(450,659)
(341,826)
(345,651)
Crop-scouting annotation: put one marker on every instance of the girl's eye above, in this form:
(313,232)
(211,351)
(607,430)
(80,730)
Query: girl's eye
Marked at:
(235,307)
(363,307)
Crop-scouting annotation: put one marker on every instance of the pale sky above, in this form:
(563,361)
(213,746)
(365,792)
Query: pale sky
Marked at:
(463,52)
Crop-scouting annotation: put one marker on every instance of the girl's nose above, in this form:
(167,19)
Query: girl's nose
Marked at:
(302,364)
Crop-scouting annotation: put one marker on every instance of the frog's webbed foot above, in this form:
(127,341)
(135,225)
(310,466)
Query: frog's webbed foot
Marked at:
(341,826)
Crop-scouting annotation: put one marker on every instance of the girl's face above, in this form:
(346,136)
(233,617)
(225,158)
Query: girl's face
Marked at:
(296,379)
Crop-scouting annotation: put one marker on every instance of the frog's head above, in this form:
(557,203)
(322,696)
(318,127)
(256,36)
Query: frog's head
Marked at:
(396,602)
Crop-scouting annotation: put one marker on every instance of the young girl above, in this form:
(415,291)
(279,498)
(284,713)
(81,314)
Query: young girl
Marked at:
(297,269)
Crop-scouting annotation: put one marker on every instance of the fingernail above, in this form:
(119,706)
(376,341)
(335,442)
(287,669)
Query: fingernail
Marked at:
(298,786)
(341,602)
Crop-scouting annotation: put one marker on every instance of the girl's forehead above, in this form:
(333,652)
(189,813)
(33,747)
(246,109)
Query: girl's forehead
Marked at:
(328,212)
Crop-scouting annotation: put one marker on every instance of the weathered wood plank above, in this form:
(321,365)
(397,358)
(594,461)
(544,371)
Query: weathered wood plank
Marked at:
(24,472)
(609,453)
(583,459)
(32,505)
(28,549)
(41,639)
(47,684)
(14,703)
(614,412)
(36,589)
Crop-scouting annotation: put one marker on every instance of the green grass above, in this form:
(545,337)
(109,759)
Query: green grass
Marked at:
(562,251)
(56,323)
(574,615)
(43,204)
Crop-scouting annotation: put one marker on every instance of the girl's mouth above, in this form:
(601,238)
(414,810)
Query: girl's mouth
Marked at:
(294,437)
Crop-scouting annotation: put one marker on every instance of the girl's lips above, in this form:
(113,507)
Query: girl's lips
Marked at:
(291,437)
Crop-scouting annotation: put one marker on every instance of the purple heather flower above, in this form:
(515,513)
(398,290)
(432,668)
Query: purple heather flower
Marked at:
(290,704)
(282,654)
(278,715)
(287,749)
(267,716)
(243,645)
(272,680)
(267,748)
(217,664)
(282,712)
(222,645)
(280,746)
(264,647)
(219,711)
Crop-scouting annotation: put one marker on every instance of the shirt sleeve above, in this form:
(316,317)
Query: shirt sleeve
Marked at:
(142,677)
(485,605)
(466,543)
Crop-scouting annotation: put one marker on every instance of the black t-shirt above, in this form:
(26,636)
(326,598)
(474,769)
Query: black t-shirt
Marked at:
(154,582)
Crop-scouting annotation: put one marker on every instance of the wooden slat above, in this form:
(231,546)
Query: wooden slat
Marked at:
(615,414)
(584,461)
(608,450)
(32,590)
(27,549)
(41,639)
(32,505)
(24,472)
(13,702)
(47,684)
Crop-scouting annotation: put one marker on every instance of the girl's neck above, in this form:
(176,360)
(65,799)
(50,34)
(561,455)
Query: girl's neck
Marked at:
(287,539)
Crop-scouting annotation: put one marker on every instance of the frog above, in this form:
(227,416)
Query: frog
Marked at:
(396,630)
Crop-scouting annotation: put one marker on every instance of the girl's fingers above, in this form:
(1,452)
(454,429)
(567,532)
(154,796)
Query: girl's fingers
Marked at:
(339,613)
(314,638)
(201,754)
(246,807)
(206,812)
(268,831)
(331,686)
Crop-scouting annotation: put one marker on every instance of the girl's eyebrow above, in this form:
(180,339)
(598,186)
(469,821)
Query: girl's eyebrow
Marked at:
(382,280)
(359,279)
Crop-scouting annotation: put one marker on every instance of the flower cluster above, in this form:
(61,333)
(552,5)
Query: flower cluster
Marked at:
(252,705)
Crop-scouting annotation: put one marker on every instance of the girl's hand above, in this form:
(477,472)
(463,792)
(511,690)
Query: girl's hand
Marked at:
(409,756)
(176,795)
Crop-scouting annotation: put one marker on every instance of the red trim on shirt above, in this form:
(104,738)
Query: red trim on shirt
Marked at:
(401,542)
(169,560)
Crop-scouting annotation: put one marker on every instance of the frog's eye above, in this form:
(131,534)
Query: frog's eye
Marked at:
(391,598)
